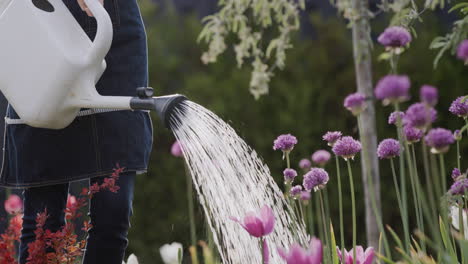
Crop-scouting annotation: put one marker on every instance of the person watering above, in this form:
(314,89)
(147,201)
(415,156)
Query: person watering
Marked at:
(44,161)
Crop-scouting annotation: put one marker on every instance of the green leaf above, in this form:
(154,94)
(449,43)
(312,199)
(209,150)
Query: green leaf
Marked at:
(333,245)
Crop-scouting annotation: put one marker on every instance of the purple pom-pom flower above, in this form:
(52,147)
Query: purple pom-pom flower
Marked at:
(295,191)
(412,134)
(393,118)
(420,115)
(429,95)
(305,164)
(289,175)
(459,187)
(459,107)
(331,137)
(462,51)
(305,196)
(439,139)
(394,37)
(456,173)
(315,179)
(299,255)
(321,157)
(356,103)
(285,142)
(388,149)
(347,147)
(393,89)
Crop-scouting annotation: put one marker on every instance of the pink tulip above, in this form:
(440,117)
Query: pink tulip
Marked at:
(71,201)
(176,150)
(298,255)
(14,204)
(363,257)
(258,225)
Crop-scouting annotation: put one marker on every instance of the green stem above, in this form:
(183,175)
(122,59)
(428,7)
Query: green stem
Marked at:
(310,218)
(418,194)
(403,192)
(340,204)
(458,155)
(193,234)
(429,182)
(353,208)
(442,172)
(324,221)
(262,247)
(397,190)
(288,162)
(319,218)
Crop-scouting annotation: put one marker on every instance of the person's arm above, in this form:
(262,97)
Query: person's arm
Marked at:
(85,8)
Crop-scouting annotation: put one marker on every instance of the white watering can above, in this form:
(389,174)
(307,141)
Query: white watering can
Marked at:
(49,67)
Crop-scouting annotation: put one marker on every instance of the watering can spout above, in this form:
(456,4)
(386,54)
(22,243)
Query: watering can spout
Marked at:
(163,105)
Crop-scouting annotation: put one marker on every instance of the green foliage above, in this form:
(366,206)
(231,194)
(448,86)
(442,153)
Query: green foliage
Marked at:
(305,100)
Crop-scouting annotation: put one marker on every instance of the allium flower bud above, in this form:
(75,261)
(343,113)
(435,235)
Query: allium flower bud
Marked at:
(395,37)
(305,164)
(321,157)
(356,103)
(412,134)
(289,175)
(429,95)
(347,147)
(331,137)
(388,149)
(439,139)
(295,191)
(393,89)
(285,142)
(315,179)
(459,107)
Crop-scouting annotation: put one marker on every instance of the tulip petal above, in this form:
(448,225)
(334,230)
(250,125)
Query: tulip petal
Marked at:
(253,225)
(316,250)
(268,219)
(369,256)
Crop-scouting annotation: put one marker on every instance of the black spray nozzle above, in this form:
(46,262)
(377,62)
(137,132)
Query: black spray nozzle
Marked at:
(163,105)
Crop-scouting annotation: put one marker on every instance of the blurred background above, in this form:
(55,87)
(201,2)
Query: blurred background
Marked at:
(305,99)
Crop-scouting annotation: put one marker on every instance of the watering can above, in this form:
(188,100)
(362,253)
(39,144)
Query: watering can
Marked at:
(49,67)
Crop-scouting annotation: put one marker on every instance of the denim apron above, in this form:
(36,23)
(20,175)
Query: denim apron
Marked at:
(96,142)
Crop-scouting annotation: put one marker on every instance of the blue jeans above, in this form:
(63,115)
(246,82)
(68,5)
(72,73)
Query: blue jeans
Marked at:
(109,212)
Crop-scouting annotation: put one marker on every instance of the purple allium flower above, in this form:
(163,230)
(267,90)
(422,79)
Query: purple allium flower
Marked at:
(393,118)
(305,164)
(459,107)
(388,149)
(355,103)
(315,179)
(289,175)
(331,137)
(395,37)
(439,139)
(412,134)
(459,187)
(321,157)
(457,135)
(456,173)
(305,196)
(299,255)
(393,89)
(285,142)
(420,115)
(347,147)
(462,51)
(258,224)
(429,95)
(176,149)
(296,191)
(362,257)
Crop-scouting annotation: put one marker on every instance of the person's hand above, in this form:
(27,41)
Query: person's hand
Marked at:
(85,8)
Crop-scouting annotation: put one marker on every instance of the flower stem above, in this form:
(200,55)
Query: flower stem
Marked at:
(324,221)
(442,172)
(458,155)
(193,234)
(353,208)
(310,218)
(404,200)
(397,190)
(340,204)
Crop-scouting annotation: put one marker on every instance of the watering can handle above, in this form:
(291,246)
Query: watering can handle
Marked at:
(103,40)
